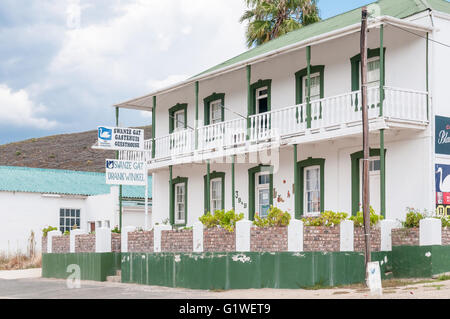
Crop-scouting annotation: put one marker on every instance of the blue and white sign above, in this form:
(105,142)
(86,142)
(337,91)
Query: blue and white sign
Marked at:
(442,135)
(126,173)
(120,139)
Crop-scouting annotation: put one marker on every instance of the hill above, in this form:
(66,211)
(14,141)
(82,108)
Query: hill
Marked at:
(65,151)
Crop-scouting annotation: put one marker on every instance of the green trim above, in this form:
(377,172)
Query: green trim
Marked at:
(355,157)
(427,75)
(296,185)
(171,197)
(382,175)
(251,187)
(299,85)
(172,111)
(299,202)
(207,101)
(153,127)
(196,114)
(356,61)
(255,86)
(207,196)
(120,186)
(207,189)
(249,98)
(308,98)
(176,181)
(382,66)
(233,185)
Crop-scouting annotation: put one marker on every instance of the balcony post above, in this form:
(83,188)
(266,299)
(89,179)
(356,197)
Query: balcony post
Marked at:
(381,69)
(196,114)
(120,186)
(308,97)
(153,127)
(233,189)
(171,197)
(249,99)
(297,195)
(208,186)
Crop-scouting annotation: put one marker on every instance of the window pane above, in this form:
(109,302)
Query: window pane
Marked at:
(78,213)
(61,212)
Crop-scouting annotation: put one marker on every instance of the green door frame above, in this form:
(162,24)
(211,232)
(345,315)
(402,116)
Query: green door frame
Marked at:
(356,157)
(173,182)
(300,182)
(251,187)
(207,189)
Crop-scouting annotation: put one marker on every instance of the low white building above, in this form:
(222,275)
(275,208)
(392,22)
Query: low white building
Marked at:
(281,123)
(32,199)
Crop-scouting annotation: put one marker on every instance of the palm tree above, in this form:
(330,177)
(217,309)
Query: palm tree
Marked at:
(269,19)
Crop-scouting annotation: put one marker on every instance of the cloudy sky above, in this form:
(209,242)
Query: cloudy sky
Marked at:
(64,63)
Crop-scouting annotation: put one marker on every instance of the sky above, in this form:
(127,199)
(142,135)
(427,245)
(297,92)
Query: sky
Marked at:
(65,63)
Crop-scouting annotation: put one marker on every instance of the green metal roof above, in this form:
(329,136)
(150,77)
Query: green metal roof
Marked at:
(64,182)
(395,8)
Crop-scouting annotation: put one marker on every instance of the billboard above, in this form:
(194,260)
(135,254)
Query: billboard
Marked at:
(120,139)
(442,189)
(442,135)
(120,172)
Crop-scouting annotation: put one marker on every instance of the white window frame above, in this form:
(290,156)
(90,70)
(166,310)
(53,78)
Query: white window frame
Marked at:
(218,199)
(176,123)
(213,120)
(259,187)
(260,97)
(305,192)
(64,228)
(305,87)
(179,221)
(372,83)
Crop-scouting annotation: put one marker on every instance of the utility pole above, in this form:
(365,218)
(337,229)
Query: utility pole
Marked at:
(365,120)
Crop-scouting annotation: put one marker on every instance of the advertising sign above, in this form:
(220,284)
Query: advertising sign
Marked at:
(442,135)
(442,189)
(120,139)
(125,173)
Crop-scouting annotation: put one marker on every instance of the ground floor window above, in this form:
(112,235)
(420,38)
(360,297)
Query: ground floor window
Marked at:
(260,190)
(216,192)
(374,182)
(180,203)
(69,218)
(312,190)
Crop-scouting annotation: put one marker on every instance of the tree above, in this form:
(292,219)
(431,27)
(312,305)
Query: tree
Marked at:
(269,19)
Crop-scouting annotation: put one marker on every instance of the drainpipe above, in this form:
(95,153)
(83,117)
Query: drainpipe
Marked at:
(120,187)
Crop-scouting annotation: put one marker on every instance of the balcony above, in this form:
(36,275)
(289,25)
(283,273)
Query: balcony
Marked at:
(330,117)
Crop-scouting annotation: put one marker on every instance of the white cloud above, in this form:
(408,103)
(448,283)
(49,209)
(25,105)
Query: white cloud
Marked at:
(17,108)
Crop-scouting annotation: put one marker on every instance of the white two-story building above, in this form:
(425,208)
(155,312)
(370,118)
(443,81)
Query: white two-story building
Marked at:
(281,124)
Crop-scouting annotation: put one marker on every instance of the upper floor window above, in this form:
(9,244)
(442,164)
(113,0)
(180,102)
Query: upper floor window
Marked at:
(373,72)
(315,87)
(215,113)
(179,120)
(262,100)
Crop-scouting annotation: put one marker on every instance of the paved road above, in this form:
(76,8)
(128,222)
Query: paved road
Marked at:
(40,288)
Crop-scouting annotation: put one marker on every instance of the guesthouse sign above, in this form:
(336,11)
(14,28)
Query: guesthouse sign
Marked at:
(120,139)
(442,135)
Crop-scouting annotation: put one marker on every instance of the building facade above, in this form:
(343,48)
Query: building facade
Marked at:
(281,124)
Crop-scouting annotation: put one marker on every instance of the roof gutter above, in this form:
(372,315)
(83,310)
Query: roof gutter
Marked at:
(373,23)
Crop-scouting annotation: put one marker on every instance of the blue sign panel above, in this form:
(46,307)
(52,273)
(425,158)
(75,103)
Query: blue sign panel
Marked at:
(442,135)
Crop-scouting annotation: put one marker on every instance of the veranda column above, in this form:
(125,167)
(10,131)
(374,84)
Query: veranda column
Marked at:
(249,98)
(171,197)
(297,195)
(153,127)
(196,114)
(208,186)
(382,150)
(308,97)
(233,185)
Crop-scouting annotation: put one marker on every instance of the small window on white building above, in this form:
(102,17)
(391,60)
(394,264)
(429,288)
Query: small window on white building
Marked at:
(263,194)
(216,194)
(68,219)
(262,100)
(215,113)
(315,87)
(312,190)
(373,72)
(180,203)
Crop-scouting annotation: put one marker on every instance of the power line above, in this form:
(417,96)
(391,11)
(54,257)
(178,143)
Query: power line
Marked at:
(418,35)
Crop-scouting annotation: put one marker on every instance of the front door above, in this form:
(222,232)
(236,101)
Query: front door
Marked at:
(262,194)
(374,184)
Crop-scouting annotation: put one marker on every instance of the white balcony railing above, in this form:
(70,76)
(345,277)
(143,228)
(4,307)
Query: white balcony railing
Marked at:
(334,112)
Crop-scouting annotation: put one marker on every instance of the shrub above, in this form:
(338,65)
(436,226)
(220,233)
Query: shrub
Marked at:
(359,218)
(226,220)
(413,218)
(116,230)
(275,218)
(327,219)
(66,233)
(48,229)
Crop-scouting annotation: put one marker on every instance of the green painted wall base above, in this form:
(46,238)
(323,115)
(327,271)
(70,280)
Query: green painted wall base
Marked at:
(420,261)
(247,270)
(93,266)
